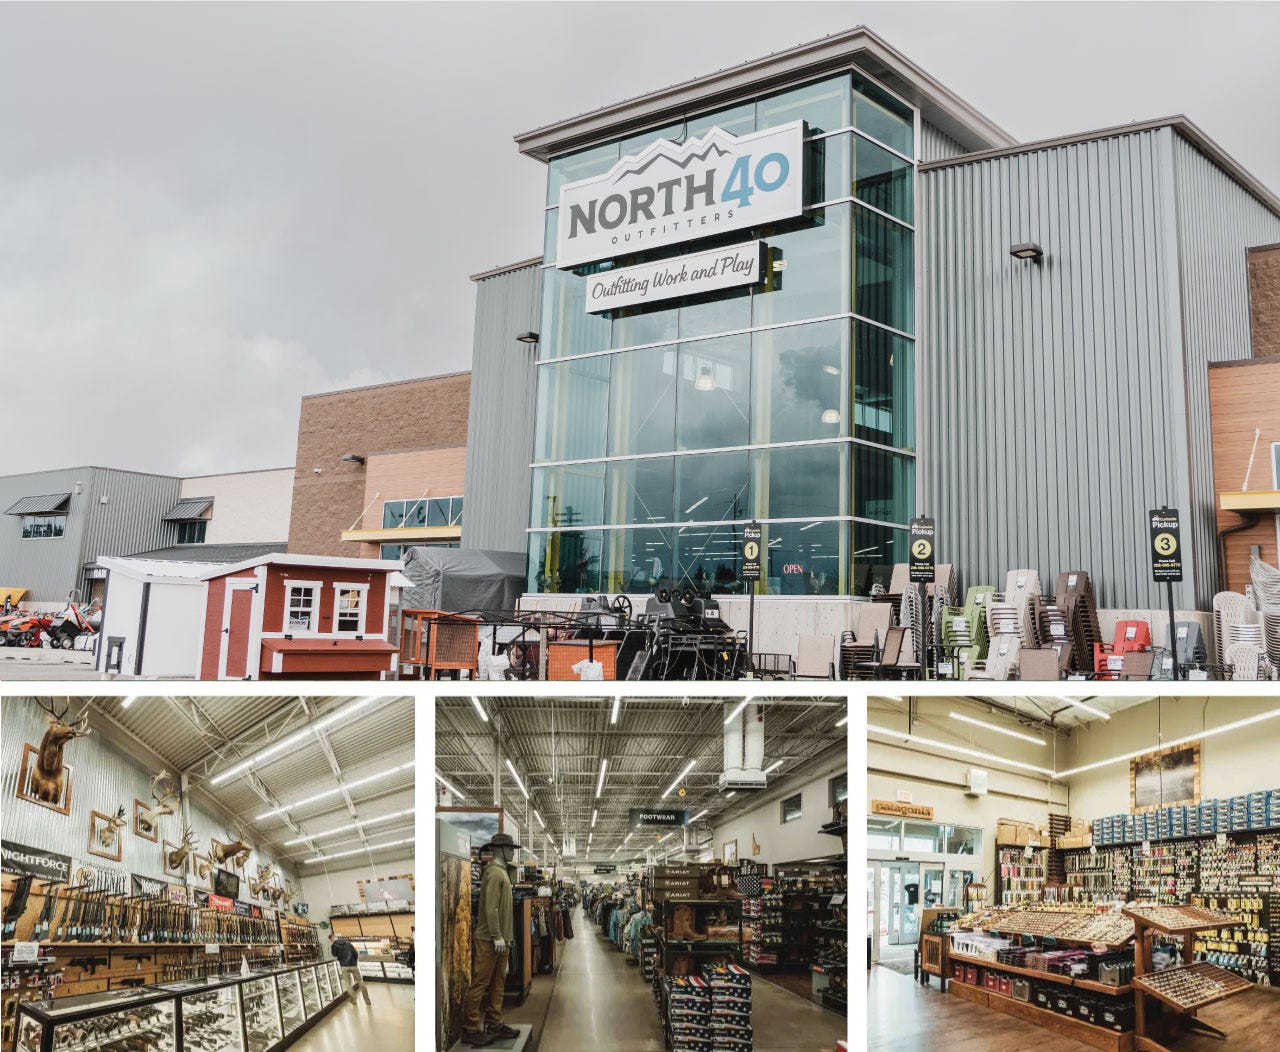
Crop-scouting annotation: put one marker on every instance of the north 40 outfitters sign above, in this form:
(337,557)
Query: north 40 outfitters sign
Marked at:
(670,193)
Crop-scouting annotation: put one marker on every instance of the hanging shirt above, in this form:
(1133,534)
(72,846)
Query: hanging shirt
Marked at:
(494,920)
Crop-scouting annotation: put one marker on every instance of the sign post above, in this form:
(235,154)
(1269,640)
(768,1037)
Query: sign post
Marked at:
(751,574)
(1166,564)
(921,571)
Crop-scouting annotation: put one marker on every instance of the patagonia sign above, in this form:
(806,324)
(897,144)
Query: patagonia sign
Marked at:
(719,268)
(670,193)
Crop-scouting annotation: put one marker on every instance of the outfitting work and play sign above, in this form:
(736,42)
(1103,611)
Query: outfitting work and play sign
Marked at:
(1166,545)
(751,552)
(719,268)
(924,553)
(641,817)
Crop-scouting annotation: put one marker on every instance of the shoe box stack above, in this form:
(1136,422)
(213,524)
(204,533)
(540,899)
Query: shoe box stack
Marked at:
(689,1015)
(649,953)
(730,1006)
(762,926)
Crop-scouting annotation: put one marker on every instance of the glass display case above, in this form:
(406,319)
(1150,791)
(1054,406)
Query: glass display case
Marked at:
(262,1025)
(291,1010)
(310,993)
(335,975)
(117,1019)
(326,985)
(211,1018)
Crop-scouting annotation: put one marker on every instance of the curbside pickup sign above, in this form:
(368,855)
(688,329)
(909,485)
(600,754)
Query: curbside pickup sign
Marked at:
(1166,545)
(669,193)
(922,540)
(721,268)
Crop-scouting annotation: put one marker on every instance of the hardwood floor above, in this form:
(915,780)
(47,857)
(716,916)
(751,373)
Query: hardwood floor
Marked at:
(903,1016)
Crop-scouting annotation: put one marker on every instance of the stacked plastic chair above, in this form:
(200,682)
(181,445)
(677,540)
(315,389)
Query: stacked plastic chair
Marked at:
(1190,648)
(1004,627)
(1052,629)
(1075,595)
(1235,622)
(1130,637)
(964,628)
(1266,593)
(1020,586)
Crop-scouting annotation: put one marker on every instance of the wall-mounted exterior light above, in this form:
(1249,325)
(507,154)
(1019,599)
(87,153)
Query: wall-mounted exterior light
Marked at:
(1027,250)
(528,337)
(352,458)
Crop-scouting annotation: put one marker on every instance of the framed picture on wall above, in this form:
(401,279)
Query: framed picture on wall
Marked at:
(730,852)
(1165,778)
(105,840)
(26,788)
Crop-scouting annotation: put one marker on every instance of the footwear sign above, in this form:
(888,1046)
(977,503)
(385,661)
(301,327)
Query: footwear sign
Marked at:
(641,817)
(1166,545)
(751,552)
(923,550)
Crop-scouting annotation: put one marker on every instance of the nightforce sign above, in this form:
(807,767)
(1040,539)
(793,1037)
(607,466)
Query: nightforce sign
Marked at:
(670,193)
(18,858)
(721,268)
(659,818)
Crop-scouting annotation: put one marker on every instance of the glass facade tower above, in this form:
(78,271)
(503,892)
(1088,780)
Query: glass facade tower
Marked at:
(662,429)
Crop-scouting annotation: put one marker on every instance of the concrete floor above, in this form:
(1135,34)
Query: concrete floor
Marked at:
(597,1001)
(386,1027)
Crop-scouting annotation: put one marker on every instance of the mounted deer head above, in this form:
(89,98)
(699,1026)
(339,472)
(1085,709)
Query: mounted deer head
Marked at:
(289,891)
(48,779)
(107,833)
(236,850)
(203,866)
(177,858)
(260,886)
(165,796)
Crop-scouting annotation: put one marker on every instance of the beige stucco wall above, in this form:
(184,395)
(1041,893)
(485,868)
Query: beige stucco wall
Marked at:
(248,506)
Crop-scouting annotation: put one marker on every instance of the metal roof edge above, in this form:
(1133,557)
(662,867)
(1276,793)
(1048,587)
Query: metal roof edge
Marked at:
(936,102)
(510,268)
(389,383)
(1180,123)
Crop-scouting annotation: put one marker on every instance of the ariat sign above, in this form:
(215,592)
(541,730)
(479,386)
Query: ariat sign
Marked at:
(670,193)
(720,268)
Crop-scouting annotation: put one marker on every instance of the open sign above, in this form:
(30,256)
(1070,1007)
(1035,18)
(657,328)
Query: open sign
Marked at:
(793,568)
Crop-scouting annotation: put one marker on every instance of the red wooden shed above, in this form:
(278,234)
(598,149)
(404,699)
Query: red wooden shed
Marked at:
(299,617)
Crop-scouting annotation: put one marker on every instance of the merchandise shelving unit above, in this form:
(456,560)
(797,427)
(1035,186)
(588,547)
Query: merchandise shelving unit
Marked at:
(1020,879)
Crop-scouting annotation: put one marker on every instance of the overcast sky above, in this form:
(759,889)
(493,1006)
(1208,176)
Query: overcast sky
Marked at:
(209,211)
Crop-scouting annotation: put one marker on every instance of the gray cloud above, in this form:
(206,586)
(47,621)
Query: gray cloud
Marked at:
(207,211)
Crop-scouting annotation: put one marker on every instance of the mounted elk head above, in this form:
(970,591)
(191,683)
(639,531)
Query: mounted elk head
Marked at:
(177,858)
(110,830)
(48,779)
(235,850)
(164,796)
(261,885)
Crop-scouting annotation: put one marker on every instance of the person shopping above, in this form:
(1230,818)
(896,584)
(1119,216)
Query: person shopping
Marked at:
(491,944)
(348,959)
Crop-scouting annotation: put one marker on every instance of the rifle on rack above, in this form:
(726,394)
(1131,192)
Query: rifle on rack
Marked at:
(17,904)
(63,931)
(89,964)
(138,958)
(77,915)
(46,914)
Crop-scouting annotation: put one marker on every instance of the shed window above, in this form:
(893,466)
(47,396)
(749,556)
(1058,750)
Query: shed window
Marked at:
(349,606)
(300,614)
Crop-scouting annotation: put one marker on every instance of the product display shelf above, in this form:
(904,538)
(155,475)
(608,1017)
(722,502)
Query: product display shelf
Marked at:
(1019,878)
(1100,1037)
(1245,947)
(1050,977)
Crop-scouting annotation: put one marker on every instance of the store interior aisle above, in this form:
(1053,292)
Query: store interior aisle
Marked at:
(387,1025)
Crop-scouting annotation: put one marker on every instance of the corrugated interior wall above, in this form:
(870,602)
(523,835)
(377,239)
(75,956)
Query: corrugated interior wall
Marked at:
(105,776)
(1050,395)
(936,145)
(48,567)
(500,426)
(1217,223)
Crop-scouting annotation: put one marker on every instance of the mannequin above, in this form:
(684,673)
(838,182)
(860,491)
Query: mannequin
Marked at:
(490,947)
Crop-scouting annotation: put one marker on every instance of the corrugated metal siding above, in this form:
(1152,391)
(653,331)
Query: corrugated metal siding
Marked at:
(1217,222)
(500,426)
(132,519)
(48,566)
(1050,399)
(936,145)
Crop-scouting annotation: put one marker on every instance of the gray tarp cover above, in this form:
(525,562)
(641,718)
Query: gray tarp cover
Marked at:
(462,579)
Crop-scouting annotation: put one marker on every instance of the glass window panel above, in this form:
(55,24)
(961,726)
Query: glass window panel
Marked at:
(390,551)
(634,144)
(882,180)
(875,550)
(815,264)
(713,486)
(710,557)
(565,561)
(633,326)
(572,495)
(829,177)
(963,840)
(43,526)
(791,808)
(567,328)
(737,120)
(839,789)
(798,376)
(725,311)
(573,407)
(884,485)
(551,231)
(595,160)
(803,481)
(806,558)
(438,511)
(713,398)
(880,115)
(884,387)
(926,835)
(636,560)
(455,511)
(883,272)
(640,491)
(825,105)
(643,401)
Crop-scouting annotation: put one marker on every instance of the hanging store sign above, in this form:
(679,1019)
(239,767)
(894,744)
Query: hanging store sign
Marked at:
(901,810)
(750,552)
(1166,545)
(603,869)
(670,193)
(18,858)
(640,817)
(922,544)
(721,268)
(222,903)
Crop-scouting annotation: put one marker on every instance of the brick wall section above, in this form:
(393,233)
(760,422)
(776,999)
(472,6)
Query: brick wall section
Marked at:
(1264,300)
(1244,396)
(414,413)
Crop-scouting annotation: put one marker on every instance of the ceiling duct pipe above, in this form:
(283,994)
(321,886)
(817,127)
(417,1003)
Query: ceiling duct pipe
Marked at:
(743,747)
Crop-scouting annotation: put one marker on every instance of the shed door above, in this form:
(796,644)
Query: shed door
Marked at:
(237,631)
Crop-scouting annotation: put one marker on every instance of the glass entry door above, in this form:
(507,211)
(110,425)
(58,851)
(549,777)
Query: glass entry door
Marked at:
(900,902)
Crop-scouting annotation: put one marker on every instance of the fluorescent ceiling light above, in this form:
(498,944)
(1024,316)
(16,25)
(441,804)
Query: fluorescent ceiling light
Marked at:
(695,505)
(731,792)
(594,816)
(1087,708)
(354,825)
(480,709)
(1249,721)
(627,837)
(126,702)
(539,818)
(737,711)
(517,778)
(773,766)
(699,814)
(449,787)
(361,850)
(842,720)
(344,713)
(604,764)
(335,791)
(667,837)
(990,757)
(617,704)
(997,728)
(688,768)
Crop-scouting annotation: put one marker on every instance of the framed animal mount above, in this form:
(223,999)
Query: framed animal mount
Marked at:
(45,778)
(202,869)
(146,817)
(174,856)
(26,786)
(105,840)
(1165,778)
